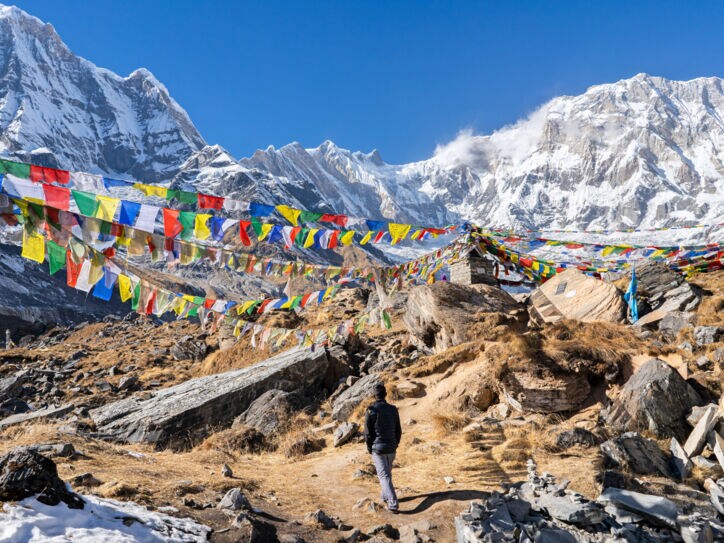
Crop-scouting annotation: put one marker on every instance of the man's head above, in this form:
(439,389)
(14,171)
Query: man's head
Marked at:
(380,392)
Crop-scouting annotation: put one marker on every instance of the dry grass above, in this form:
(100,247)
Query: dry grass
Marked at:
(445,424)
(438,363)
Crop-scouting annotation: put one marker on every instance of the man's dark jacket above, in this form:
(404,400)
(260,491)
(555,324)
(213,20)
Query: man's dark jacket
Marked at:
(382,428)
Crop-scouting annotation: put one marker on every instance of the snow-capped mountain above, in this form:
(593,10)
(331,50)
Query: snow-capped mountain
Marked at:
(58,109)
(641,152)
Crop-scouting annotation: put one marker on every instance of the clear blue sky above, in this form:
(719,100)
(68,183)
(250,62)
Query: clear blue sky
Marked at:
(397,76)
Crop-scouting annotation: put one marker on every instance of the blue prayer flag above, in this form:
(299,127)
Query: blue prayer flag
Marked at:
(129,213)
(630,297)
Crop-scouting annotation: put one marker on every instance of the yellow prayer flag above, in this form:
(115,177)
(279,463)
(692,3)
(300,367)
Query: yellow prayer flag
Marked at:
(347,238)
(124,287)
(201,228)
(106,207)
(151,190)
(366,239)
(265,229)
(398,232)
(33,246)
(310,238)
(289,213)
(607,250)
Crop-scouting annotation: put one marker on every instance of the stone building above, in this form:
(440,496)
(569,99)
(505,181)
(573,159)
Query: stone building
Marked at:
(476,268)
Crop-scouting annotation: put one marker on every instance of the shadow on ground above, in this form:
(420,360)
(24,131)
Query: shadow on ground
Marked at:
(430,499)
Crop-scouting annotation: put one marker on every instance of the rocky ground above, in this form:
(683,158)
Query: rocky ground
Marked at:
(521,420)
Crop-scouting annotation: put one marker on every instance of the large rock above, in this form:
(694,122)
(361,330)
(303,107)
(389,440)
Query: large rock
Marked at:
(24,473)
(574,295)
(660,288)
(181,415)
(270,411)
(443,314)
(540,390)
(656,398)
(636,454)
(655,508)
(362,390)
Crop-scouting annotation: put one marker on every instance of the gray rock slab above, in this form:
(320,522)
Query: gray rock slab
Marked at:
(344,433)
(362,390)
(697,438)
(655,508)
(48,413)
(717,442)
(680,460)
(181,415)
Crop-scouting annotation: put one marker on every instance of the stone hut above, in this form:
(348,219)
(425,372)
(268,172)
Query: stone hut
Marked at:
(476,268)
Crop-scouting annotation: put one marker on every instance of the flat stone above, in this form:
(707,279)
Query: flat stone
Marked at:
(576,436)
(680,460)
(697,438)
(704,463)
(566,510)
(717,445)
(46,413)
(655,508)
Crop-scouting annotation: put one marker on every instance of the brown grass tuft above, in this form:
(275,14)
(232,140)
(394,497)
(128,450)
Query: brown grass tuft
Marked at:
(449,423)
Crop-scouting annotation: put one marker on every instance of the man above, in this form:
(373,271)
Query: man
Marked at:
(382,434)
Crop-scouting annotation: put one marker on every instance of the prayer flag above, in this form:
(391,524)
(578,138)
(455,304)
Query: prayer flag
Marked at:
(57,256)
(57,197)
(17,169)
(85,201)
(33,246)
(260,210)
(188,221)
(171,225)
(289,213)
(49,175)
(309,216)
(206,201)
(129,212)
(630,296)
(106,208)
(201,229)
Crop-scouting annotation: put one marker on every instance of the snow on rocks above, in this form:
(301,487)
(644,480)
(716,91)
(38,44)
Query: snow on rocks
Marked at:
(110,521)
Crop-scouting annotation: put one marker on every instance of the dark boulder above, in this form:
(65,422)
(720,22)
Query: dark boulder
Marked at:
(25,472)
(655,398)
(270,412)
(636,454)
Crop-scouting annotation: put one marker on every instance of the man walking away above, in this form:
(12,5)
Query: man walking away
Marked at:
(382,434)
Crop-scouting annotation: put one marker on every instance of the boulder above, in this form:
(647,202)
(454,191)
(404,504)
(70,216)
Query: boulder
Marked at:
(574,295)
(443,314)
(188,349)
(656,398)
(636,454)
(576,436)
(25,472)
(181,415)
(675,321)
(234,500)
(660,288)
(361,391)
(706,335)
(344,433)
(269,412)
(539,390)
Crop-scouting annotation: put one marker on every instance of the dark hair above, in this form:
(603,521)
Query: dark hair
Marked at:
(380,391)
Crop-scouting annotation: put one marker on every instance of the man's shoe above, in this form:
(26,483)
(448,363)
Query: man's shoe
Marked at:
(393,511)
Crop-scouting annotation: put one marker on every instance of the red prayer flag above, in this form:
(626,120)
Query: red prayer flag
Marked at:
(209,303)
(49,175)
(333,239)
(171,225)
(72,269)
(57,197)
(243,226)
(206,201)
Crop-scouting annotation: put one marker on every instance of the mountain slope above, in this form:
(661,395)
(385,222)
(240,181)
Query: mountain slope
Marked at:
(58,109)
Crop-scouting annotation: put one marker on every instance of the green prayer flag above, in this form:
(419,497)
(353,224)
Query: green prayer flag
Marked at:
(309,216)
(136,297)
(301,237)
(187,197)
(296,301)
(85,201)
(171,194)
(188,221)
(18,169)
(386,320)
(56,256)
(105,227)
(256,225)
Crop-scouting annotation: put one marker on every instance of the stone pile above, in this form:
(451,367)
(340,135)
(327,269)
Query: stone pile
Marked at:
(543,510)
